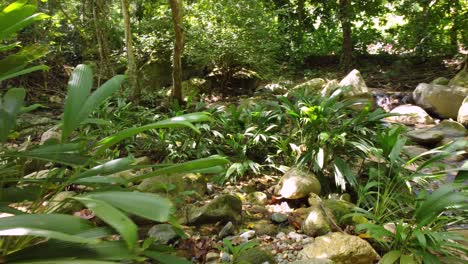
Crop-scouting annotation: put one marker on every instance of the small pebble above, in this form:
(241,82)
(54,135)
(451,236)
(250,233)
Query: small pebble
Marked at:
(279,218)
(247,235)
(281,235)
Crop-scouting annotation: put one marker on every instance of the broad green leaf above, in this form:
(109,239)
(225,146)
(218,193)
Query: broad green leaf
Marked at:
(13,100)
(407,259)
(68,154)
(190,166)
(67,261)
(391,257)
(115,218)
(79,88)
(4,208)
(165,258)
(179,121)
(14,64)
(146,205)
(109,167)
(23,72)
(437,202)
(15,19)
(56,226)
(54,249)
(421,238)
(101,180)
(7,123)
(397,149)
(31,108)
(99,96)
(16,194)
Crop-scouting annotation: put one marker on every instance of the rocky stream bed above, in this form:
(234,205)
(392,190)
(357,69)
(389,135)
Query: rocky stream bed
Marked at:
(284,214)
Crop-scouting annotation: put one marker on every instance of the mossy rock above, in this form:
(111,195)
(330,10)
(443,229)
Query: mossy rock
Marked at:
(223,208)
(255,256)
(339,209)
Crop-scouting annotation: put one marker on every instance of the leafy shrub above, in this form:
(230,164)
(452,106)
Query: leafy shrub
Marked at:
(104,196)
(330,134)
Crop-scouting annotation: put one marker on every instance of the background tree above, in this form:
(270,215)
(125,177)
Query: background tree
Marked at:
(131,62)
(177,9)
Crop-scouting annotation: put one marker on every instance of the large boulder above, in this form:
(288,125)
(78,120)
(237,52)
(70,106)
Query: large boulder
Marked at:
(296,184)
(223,208)
(357,83)
(311,87)
(461,79)
(451,129)
(425,137)
(341,248)
(463,113)
(447,129)
(443,100)
(410,115)
(357,90)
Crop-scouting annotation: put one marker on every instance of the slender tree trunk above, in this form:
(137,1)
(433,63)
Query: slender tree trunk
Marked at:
(176,7)
(453,8)
(347,46)
(131,61)
(100,25)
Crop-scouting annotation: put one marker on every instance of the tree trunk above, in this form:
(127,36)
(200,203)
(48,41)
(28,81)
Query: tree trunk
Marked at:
(100,25)
(347,47)
(131,61)
(176,7)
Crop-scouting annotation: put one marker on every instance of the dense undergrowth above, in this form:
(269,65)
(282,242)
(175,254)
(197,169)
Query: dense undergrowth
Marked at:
(343,141)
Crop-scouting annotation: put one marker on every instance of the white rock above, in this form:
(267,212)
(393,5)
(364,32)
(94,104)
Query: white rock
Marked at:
(247,235)
(463,113)
(410,115)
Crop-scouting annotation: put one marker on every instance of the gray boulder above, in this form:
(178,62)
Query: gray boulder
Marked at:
(443,100)
(451,129)
(296,184)
(223,208)
(410,115)
(341,248)
(463,113)
(425,137)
